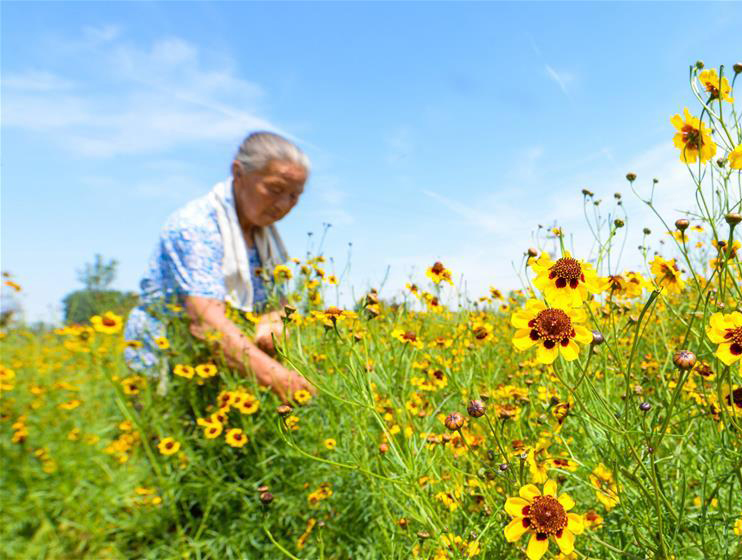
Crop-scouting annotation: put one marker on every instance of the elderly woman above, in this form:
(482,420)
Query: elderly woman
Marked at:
(207,255)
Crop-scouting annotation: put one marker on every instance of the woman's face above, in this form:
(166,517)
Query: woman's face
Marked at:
(264,197)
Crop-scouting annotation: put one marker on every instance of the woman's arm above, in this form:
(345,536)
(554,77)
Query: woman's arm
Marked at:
(209,314)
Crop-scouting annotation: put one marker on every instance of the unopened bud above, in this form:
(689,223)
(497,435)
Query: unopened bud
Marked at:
(684,359)
(532,252)
(263,488)
(504,466)
(422,535)
(284,410)
(645,407)
(587,192)
(631,177)
(682,224)
(721,162)
(737,67)
(266,497)
(619,223)
(598,338)
(454,421)
(617,196)
(733,218)
(289,310)
(383,448)
(476,409)
(647,231)
(699,64)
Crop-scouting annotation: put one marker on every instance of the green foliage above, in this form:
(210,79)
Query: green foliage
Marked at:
(80,305)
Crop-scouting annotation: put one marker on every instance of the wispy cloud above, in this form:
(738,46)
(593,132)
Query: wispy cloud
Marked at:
(133,100)
(561,79)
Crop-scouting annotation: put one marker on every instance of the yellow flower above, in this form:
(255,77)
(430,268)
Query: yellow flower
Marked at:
(168,446)
(331,279)
(606,490)
(666,274)
(108,323)
(711,83)
(693,138)
(162,343)
(182,370)
(282,273)
(543,515)
(236,437)
(330,444)
(408,337)
(206,370)
(738,527)
(566,282)
(726,331)
(212,430)
(438,272)
(555,331)
(302,396)
(735,158)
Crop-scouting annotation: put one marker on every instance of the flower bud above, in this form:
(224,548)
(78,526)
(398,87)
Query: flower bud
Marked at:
(454,421)
(266,497)
(263,488)
(422,535)
(647,231)
(721,162)
(504,466)
(587,192)
(682,224)
(631,177)
(619,223)
(384,447)
(284,410)
(476,409)
(617,196)
(684,360)
(289,310)
(645,407)
(598,338)
(733,218)
(699,64)
(532,252)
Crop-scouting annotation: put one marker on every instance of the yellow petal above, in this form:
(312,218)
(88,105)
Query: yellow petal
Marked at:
(515,529)
(537,548)
(529,492)
(724,354)
(567,502)
(571,351)
(545,355)
(521,318)
(575,523)
(566,542)
(582,335)
(550,488)
(534,306)
(522,339)
(514,506)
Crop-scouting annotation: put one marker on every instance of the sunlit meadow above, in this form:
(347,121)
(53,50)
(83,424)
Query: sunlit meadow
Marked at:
(595,413)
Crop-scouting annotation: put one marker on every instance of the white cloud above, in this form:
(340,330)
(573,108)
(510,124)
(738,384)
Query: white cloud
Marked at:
(561,78)
(134,100)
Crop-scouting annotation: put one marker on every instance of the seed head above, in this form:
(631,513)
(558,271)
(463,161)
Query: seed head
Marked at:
(684,360)
(682,224)
(631,177)
(476,409)
(284,410)
(454,421)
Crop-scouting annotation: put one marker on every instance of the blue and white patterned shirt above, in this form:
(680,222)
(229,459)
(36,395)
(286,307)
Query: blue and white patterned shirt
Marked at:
(186,262)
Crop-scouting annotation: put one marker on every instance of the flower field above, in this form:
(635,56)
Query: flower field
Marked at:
(594,413)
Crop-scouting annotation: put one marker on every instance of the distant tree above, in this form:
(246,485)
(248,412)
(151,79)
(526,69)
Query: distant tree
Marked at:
(97,297)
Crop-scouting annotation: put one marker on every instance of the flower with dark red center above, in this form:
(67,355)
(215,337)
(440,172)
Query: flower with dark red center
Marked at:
(554,331)
(566,282)
(543,516)
(408,337)
(735,398)
(726,331)
(438,272)
(667,274)
(692,138)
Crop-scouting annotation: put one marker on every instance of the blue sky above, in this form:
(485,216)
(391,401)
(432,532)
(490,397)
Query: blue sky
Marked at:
(436,130)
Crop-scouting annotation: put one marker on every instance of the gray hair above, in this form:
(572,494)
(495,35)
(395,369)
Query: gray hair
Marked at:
(261,147)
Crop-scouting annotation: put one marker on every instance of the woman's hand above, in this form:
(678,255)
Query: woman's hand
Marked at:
(270,325)
(284,382)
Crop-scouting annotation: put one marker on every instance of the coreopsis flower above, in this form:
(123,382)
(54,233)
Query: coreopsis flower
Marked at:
(606,490)
(408,337)
(438,273)
(162,343)
(628,285)
(555,331)
(735,158)
(282,273)
(206,370)
(543,516)
(725,253)
(592,519)
(235,437)
(566,282)
(693,138)
(108,323)
(330,443)
(302,396)
(182,370)
(716,88)
(168,446)
(667,274)
(212,430)
(726,331)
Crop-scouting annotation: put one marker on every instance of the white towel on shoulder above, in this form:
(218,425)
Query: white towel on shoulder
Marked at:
(236,264)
